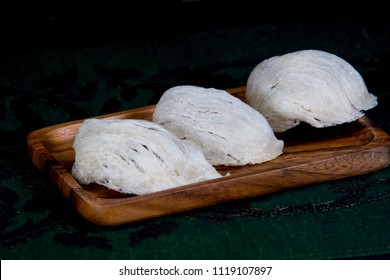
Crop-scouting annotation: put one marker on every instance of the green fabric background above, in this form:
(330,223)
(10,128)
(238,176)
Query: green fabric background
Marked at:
(56,75)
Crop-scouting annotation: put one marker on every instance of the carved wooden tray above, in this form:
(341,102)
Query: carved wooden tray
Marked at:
(310,156)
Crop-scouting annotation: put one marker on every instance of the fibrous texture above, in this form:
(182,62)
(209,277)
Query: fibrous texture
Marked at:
(228,131)
(136,156)
(310,86)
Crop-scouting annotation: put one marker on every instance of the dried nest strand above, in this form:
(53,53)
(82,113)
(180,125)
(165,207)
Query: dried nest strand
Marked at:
(136,157)
(228,131)
(309,86)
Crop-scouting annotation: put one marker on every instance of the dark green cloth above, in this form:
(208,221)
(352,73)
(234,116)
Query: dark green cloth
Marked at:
(47,83)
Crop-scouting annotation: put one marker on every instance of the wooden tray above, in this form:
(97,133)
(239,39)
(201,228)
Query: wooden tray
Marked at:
(310,156)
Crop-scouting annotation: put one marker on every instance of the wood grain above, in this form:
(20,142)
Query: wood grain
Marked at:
(310,156)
